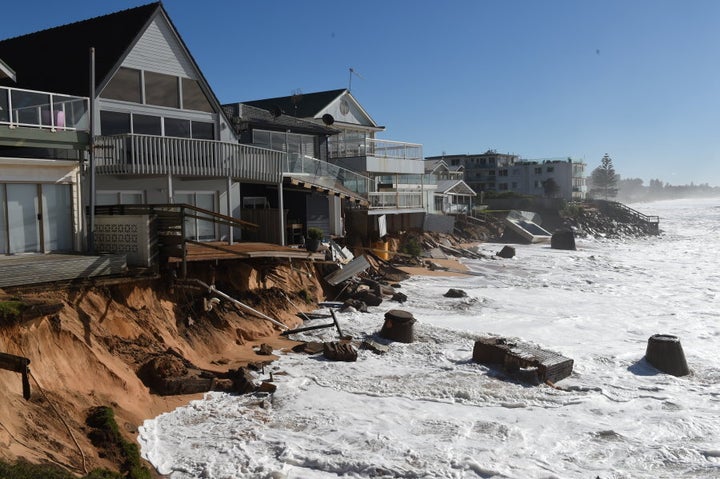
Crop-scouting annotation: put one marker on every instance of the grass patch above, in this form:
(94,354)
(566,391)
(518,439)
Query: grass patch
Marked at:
(106,435)
(11,310)
(25,470)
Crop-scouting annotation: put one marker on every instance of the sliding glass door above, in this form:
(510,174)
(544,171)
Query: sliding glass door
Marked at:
(197,228)
(23,218)
(35,218)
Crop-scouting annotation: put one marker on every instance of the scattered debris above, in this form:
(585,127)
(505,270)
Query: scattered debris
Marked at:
(340,351)
(527,363)
(265,350)
(563,239)
(398,326)
(665,353)
(374,346)
(20,365)
(455,293)
(399,297)
(507,252)
(309,347)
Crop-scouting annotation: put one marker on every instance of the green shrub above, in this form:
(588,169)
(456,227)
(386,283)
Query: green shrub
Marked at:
(22,469)
(315,233)
(411,247)
(103,418)
(11,310)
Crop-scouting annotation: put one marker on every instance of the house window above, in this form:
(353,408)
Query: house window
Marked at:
(177,127)
(538,170)
(147,125)
(550,169)
(161,90)
(114,123)
(203,131)
(125,86)
(537,184)
(502,186)
(503,172)
(193,96)
(119,197)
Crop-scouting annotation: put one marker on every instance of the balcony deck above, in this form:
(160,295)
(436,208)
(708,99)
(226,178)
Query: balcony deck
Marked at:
(143,155)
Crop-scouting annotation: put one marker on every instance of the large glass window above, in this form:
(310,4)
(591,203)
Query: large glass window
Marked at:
(125,86)
(114,123)
(147,125)
(177,128)
(193,96)
(119,198)
(203,131)
(161,90)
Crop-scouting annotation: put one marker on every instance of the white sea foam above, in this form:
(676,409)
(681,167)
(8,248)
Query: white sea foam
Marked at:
(426,410)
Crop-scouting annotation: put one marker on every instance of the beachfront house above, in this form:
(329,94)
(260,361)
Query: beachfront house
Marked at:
(451,195)
(315,192)
(158,133)
(43,139)
(397,195)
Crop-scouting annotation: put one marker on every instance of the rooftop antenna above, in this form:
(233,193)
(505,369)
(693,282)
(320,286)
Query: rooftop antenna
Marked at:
(353,72)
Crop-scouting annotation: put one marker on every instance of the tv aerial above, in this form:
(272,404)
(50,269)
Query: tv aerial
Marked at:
(353,72)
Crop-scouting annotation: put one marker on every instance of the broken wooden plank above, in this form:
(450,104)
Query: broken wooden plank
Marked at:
(20,365)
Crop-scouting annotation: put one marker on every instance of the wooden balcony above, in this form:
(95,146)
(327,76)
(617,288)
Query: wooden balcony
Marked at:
(145,155)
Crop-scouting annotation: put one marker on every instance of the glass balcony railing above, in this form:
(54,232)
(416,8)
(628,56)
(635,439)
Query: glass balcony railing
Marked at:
(375,148)
(35,109)
(328,174)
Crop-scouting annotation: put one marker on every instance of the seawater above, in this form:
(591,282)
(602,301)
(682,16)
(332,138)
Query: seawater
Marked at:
(425,409)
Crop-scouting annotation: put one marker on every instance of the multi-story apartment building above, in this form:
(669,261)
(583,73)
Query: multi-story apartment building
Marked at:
(498,172)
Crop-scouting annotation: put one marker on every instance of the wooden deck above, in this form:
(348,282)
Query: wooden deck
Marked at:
(223,251)
(29,269)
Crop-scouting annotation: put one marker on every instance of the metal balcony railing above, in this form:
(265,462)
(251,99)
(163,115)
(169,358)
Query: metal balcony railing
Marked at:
(327,173)
(36,109)
(158,155)
(395,199)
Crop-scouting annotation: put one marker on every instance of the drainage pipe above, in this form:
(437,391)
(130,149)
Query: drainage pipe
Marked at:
(244,306)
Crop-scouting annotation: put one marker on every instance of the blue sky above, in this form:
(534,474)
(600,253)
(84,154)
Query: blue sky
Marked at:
(638,80)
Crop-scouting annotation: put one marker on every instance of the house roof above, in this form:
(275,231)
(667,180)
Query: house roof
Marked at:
(303,105)
(454,187)
(58,59)
(261,118)
(6,71)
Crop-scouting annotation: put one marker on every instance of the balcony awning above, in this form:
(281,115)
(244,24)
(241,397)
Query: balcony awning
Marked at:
(6,71)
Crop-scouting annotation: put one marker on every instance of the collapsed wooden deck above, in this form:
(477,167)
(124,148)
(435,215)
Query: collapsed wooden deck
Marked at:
(208,251)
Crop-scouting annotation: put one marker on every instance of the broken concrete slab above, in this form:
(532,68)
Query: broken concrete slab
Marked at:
(524,361)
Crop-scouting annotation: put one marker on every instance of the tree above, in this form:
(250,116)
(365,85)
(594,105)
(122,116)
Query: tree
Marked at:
(604,179)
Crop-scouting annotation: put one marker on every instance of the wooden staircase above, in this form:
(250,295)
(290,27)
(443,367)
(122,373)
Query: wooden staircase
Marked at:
(650,225)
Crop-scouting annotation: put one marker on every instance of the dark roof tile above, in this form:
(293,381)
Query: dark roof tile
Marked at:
(303,105)
(58,59)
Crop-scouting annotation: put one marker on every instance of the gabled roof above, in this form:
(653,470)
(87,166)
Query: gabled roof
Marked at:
(454,187)
(260,118)
(58,59)
(303,105)
(6,71)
